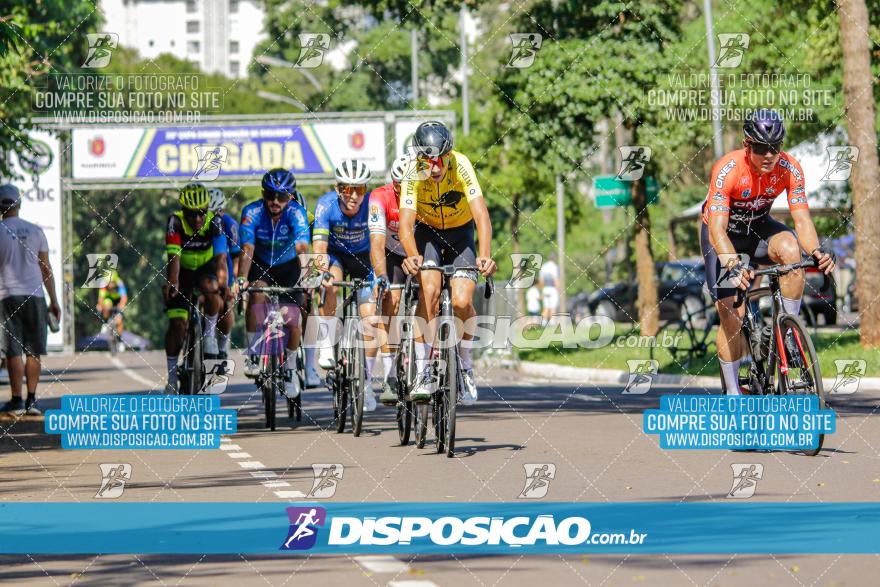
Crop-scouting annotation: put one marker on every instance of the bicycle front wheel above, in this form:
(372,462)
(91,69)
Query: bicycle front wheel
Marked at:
(451,398)
(803,375)
(272,386)
(421,414)
(357,377)
(404,408)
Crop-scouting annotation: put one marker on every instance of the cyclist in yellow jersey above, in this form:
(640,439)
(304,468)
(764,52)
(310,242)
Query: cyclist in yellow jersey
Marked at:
(441,203)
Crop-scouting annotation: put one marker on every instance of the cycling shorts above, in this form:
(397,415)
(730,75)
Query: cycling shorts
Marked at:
(453,246)
(752,242)
(282,275)
(394,267)
(189,279)
(354,265)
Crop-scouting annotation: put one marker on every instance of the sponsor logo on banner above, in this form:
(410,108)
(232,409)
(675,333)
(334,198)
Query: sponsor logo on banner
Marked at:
(97,146)
(357,140)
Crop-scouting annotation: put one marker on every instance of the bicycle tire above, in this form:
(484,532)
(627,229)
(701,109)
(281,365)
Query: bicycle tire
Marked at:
(421,424)
(451,398)
(439,422)
(340,396)
(810,367)
(191,380)
(404,414)
(357,375)
(271,387)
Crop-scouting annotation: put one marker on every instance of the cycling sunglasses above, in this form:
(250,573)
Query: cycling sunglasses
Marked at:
(268,196)
(194,213)
(434,161)
(764,148)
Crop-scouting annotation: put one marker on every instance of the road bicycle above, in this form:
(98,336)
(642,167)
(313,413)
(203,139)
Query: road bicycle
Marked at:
(404,359)
(347,380)
(784,360)
(191,373)
(271,348)
(444,364)
(110,329)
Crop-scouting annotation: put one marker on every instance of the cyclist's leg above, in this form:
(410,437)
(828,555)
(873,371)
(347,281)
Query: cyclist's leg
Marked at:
(462,249)
(257,276)
(389,327)
(430,283)
(177,310)
(210,289)
(729,341)
(326,359)
(783,247)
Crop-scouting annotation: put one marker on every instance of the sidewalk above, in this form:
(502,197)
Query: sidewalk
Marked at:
(555,372)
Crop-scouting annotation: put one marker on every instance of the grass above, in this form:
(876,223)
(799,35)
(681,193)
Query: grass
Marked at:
(829,347)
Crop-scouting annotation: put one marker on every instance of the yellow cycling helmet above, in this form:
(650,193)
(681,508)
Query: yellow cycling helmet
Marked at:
(195,196)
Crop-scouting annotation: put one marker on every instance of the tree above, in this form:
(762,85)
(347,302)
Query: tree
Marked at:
(859,95)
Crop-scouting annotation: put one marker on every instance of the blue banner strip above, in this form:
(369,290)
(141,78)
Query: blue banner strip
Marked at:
(489,528)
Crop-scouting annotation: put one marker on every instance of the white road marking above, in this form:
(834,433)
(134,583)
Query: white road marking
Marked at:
(412,583)
(290,494)
(225,439)
(239,455)
(588,398)
(381,564)
(263,474)
(229,446)
(275,484)
(131,374)
(251,465)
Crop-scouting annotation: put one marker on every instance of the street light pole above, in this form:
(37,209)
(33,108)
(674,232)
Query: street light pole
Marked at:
(560,239)
(465,110)
(716,90)
(414,64)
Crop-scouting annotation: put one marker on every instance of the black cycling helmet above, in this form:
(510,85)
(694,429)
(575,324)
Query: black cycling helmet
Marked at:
(279,181)
(432,139)
(764,126)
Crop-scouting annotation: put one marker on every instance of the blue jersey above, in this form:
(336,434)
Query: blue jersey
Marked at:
(230,229)
(274,243)
(344,234)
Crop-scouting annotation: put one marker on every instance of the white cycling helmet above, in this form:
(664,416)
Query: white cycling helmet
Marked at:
(218,200)
(398,169)
(352,172)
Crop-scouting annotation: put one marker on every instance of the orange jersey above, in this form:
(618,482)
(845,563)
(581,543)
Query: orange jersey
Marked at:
(743,194)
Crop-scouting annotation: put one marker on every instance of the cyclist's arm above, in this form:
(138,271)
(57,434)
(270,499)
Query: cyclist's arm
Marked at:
(123,294)
(484,226)
(378,228)
(406,232)
(720,241)
(800,210)
(247,239)
(244,260)
(219,244)
(173,248)
(805,229)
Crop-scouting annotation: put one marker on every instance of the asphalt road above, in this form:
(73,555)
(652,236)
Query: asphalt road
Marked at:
(593,435)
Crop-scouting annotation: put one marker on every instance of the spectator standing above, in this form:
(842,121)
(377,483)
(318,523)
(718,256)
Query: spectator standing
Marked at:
(24,271)
(548,280)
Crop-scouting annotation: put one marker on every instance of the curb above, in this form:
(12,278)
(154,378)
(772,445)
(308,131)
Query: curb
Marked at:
(553,371)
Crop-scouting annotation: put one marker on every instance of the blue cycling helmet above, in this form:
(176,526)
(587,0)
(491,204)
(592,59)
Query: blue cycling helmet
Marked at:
(279,181)
(764,126)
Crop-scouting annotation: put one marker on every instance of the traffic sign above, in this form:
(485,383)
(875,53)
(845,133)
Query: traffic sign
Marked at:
(609,191)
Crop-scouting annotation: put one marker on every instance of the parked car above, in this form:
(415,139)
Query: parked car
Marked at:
(679,291)
(820,296)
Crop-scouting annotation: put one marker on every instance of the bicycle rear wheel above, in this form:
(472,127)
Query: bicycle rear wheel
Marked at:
(677,344)
(193,365)
(421,417)
(451,398)
(404,408)
(272,386)
(803,375)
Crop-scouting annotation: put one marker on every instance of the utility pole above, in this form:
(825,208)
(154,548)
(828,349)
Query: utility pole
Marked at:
(465,112)
(414,67)
(560,240)
(716,90)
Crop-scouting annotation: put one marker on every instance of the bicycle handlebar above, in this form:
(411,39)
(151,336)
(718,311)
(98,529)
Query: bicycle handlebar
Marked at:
(450,270)
(778,271)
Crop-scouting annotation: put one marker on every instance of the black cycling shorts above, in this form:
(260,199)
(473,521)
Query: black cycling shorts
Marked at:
(394,267)
(354,265)
(454,246)
(189,280)
(752,241)
(281,275)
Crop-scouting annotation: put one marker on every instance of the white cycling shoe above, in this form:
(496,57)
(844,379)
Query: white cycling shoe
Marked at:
(211,347)
(326,359)
(425,387)
(291,384)
(369,401)
(312,378)
(251,367)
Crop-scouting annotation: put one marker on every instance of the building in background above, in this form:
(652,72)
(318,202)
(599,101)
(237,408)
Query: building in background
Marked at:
(218,35)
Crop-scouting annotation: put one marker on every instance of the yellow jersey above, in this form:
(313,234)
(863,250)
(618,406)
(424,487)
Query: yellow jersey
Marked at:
(441,204)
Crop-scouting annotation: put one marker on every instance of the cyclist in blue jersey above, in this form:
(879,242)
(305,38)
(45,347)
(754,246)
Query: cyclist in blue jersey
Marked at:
(233,253)
(342,236)
(274,232)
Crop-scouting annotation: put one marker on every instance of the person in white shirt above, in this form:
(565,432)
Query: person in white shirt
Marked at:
(533,304)
(24,272)
(548,279)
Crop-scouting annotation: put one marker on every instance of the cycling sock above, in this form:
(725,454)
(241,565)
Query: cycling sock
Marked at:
(464,355)
(791,306)
(211,326)
(730,372)
(310,357)
(250,341)
(223,341)
(387,365)
(171,363)
(371,362)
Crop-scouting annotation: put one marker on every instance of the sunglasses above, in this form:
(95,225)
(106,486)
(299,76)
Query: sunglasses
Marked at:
(194,213)
(276,197)
(434,161)
(764,148)
(347,188)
